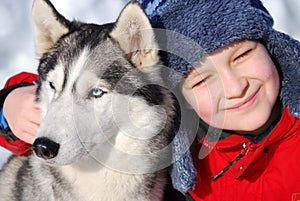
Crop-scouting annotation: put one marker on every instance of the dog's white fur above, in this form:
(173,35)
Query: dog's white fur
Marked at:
(115,163)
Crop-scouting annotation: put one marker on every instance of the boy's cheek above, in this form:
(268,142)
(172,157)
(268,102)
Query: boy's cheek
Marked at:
(190,97)
(204,101)
(205,109)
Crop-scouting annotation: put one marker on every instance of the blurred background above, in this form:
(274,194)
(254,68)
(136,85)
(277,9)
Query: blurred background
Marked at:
(16,28)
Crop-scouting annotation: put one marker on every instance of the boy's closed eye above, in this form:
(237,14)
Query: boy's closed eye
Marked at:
(244,52)
(201,81)
(196,78)
(243,55)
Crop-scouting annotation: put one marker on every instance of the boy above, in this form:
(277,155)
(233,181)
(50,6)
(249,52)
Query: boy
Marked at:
(247,87)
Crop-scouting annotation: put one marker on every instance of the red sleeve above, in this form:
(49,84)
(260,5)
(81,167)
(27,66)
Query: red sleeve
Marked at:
(21,77)
(18,147)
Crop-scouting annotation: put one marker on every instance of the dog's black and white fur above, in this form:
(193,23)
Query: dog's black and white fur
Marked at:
(107,120)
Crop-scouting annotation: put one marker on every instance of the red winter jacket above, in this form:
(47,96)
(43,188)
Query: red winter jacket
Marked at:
(269,170)
(18,146)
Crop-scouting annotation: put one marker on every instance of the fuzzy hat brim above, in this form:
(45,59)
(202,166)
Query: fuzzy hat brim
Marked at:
(285,52)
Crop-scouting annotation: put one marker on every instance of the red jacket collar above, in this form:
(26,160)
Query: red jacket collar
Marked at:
(246,150)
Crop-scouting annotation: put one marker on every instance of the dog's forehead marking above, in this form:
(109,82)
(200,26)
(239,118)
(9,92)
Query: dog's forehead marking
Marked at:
(77,67)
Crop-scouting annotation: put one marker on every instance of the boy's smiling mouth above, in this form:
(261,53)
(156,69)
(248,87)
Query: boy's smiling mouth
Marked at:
(245,104)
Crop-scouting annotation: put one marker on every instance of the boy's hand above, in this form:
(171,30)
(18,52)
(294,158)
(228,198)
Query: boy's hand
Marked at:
(22,113)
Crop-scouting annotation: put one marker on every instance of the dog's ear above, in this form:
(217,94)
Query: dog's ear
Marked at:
(49,25)
(135,36)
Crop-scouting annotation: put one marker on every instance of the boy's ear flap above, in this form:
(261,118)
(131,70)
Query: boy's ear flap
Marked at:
(135,36)
(49,25)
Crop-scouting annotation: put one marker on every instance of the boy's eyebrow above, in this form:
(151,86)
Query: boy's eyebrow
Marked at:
(192,73)
(201,63)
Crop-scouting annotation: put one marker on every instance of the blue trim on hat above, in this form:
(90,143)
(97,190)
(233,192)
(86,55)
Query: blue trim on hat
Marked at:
(151,6)
(154,8)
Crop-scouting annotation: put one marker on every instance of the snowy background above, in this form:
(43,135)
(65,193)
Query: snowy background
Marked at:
(16,28)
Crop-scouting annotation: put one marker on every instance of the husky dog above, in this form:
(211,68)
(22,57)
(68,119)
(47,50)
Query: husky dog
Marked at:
(107,119)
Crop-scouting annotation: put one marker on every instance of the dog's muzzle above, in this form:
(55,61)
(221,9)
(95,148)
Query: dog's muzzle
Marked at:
(45,148)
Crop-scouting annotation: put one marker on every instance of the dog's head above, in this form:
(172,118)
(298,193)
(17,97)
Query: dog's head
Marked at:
(93,84)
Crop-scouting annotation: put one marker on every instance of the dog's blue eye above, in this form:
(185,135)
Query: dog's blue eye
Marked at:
(97,93)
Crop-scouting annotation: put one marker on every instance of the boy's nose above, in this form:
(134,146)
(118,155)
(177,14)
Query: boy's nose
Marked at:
(235,86)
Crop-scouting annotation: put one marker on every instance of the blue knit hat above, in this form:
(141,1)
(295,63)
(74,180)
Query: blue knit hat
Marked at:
(212,24)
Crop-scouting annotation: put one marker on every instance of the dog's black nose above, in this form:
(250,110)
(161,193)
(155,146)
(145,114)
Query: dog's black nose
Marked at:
(45,148)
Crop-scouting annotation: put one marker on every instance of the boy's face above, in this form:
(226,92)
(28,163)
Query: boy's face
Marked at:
(234,88)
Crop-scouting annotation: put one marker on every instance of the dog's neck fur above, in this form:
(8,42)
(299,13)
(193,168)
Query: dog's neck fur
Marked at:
(86,183)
